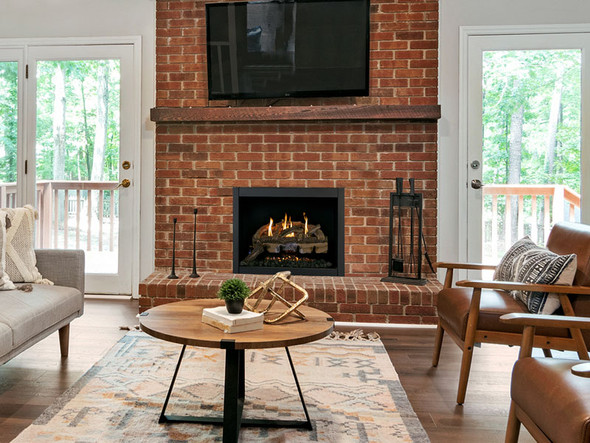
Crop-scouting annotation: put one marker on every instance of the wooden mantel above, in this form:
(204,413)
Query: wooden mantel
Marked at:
(295,113)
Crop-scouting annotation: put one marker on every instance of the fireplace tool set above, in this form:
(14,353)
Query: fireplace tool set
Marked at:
(194,273)
(406,237)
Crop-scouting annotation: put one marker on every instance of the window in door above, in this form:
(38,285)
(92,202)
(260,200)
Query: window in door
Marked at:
(77,158)
(526,138)
(531,145)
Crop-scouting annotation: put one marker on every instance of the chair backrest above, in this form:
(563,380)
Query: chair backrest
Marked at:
(573,238)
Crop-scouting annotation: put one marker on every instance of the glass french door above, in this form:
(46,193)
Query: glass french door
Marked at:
(11,76)
(77,156)
(526,140)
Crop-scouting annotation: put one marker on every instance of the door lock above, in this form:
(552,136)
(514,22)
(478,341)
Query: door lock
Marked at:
(475,164)
(126,164)
(124,183)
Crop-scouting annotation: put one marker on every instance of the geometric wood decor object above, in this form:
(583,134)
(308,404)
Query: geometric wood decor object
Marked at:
(267,287)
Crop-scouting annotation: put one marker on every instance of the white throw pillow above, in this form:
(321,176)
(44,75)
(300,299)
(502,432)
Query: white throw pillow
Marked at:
(5,283)
(21,260)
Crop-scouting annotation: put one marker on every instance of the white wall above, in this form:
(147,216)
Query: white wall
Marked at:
(453,14)
(100,18)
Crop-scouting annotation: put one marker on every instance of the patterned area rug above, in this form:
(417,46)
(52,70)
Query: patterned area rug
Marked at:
(352,392)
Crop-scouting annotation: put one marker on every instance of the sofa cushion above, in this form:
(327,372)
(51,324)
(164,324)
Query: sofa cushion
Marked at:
(542,266)
(559,402)
(29,313)
(20,255)
(5,339)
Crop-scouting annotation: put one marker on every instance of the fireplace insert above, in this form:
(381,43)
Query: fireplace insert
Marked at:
(295,229)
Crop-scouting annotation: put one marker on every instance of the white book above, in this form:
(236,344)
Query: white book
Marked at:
(242,322)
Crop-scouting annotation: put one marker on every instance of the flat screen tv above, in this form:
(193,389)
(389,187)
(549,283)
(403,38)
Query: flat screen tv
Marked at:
(293,48)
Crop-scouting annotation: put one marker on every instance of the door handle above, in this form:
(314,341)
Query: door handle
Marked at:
(124,183)
(476,184)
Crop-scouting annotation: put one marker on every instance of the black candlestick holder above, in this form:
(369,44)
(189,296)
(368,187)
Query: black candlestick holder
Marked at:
(172,273)
(194,274)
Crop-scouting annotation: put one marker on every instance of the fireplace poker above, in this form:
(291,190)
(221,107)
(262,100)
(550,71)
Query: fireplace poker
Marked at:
(172,274)
(412,195)
(426,254)
(398,262)
(194,274)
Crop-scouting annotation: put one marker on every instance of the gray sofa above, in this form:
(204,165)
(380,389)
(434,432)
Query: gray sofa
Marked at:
(28,317)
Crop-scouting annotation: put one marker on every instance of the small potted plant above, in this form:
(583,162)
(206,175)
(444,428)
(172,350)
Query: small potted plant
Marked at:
(233,291)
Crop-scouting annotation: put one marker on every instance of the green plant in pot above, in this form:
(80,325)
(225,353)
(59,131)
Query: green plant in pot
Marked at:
(233,291)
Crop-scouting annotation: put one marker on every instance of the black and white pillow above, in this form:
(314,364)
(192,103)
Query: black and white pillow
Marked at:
(542,266)
(505,269)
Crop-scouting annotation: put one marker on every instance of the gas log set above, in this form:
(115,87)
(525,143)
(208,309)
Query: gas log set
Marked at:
(288,243)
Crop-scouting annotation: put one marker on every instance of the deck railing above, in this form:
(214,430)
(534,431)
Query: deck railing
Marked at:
(538,208)
(67,216)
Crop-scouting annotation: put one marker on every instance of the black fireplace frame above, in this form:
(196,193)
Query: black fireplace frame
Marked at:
(308,193)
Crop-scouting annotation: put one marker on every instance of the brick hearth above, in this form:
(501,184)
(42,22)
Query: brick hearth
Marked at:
(360,144)
(354,299)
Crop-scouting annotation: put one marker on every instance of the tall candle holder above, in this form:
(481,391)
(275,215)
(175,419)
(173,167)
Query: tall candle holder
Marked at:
(173,274)
(194,274)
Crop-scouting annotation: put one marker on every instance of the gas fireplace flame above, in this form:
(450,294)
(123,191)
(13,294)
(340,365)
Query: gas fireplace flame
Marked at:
(284,224)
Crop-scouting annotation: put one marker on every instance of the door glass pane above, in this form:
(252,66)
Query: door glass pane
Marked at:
(531,145)
(77,158)
(8,132)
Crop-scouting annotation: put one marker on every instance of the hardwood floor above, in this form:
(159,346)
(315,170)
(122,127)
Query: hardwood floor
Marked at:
(432,391)
(34,379)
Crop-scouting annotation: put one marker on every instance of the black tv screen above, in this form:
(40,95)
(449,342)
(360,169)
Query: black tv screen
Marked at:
(297,48)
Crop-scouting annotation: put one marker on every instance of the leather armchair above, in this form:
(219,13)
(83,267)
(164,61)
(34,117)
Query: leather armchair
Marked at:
(470,311)
(551,397)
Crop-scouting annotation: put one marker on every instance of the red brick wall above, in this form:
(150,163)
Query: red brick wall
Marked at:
(198,164)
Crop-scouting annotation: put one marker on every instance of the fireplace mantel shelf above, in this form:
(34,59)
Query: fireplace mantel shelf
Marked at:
(296,113)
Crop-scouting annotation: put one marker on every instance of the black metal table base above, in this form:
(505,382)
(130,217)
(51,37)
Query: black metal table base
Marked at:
(233,399)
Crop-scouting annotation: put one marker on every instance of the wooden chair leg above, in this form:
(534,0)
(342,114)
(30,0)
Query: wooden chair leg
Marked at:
(468,345)
(464,374)
(64,340)
(440,332)
(513,427)
(547,353)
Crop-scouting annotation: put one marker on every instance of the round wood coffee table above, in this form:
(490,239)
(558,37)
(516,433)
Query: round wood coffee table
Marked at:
(180,322)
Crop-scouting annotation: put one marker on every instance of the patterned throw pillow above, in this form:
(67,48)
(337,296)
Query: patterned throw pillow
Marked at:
(545,267)
(5,283)
(505,269)
(21,260)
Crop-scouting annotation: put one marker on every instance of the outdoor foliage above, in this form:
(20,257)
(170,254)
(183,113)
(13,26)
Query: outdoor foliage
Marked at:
(527,82)
(81,84)
(81,97)
(8,122)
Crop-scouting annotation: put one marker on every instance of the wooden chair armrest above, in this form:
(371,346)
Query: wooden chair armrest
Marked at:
(552,321)
(475,266)
(517,286)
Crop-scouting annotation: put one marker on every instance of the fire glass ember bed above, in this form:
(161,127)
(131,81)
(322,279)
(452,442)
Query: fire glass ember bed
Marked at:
(295,229)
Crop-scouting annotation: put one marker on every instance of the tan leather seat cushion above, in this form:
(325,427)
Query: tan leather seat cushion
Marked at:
(555,399)
(453,307)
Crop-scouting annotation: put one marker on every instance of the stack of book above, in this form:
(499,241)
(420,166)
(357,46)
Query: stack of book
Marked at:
(231,323)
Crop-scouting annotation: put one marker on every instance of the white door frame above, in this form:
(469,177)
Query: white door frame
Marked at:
(474,36)
(28,47)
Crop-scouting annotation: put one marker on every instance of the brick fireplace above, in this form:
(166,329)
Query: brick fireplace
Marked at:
(359,144)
